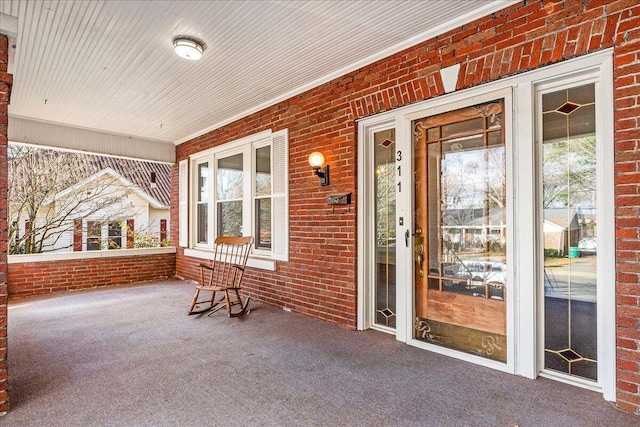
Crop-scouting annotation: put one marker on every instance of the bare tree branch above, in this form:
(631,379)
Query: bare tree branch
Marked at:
(38,194)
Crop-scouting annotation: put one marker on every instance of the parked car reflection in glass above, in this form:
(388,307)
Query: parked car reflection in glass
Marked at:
(479,278)
(587,246)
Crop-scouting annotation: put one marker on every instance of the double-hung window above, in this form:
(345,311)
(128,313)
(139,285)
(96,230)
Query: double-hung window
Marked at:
(229,191)
(262,206)
(240,189)
(202,179)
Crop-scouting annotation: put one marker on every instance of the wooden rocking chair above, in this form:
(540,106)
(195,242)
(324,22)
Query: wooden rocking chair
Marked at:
(224,276)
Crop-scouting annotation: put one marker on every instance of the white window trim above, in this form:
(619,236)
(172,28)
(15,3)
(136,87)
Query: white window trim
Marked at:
(259,258)
(602,77)
(366,222)
(267,143)
(246,151)
(522,327)
(183,203)
(195,179)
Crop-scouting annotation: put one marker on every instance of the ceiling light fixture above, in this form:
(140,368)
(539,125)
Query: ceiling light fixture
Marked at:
(188,48)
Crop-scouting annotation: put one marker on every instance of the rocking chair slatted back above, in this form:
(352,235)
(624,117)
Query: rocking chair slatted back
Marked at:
(229,261)
(224,276)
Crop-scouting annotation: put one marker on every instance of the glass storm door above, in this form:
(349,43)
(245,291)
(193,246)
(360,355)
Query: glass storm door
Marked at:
(384,293)
(568,231)
(460,237)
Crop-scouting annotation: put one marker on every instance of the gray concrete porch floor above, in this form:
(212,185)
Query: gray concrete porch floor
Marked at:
(130,356)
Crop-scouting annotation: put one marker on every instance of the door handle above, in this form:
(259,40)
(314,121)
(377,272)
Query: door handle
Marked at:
(420,253)
(406,237)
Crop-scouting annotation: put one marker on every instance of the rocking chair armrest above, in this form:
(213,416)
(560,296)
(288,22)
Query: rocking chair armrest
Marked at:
(239,267)
(207,267)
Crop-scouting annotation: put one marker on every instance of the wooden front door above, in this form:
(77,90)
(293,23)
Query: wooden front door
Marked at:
(460,237)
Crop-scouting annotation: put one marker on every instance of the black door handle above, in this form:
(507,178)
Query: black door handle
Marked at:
(406,238)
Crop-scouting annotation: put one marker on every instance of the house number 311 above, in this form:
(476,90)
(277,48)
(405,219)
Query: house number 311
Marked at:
(399,158)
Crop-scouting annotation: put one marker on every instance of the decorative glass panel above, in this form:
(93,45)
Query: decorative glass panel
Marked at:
(569,230)
(385,211)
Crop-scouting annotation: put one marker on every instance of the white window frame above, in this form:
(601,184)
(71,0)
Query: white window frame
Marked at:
(183,203)
(246,151)
(254,192)
(366,223)
(259,258)
(605,202)
(85,240)
(196,190)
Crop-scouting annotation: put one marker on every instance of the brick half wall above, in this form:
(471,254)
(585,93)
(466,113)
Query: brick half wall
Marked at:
(44,277)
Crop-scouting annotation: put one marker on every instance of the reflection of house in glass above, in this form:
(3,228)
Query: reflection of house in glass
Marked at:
(566,228)
(475,229)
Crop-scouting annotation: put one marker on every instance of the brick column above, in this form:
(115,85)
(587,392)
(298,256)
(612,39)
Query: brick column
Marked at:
(5,91)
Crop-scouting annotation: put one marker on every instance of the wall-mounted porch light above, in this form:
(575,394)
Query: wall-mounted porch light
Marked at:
(316,160)
(188,48)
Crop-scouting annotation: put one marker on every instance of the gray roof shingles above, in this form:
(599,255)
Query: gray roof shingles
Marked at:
(136,171)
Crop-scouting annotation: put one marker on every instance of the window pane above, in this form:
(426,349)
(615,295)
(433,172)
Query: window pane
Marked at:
(203,177)
(461,128)
(229,178)
(263,171)
(203,205)
(94,235)
(433,208)
(263,223)
(230,218)
(115,235)
(203,226)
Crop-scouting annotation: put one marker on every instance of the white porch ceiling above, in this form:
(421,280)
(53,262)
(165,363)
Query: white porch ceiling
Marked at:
(109,65)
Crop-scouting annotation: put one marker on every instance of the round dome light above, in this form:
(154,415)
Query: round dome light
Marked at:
(316,159)
(188,48)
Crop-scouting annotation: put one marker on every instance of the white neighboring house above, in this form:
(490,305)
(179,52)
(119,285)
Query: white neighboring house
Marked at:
(135,210)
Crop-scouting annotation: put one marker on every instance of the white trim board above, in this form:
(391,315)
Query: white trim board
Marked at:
(64,256)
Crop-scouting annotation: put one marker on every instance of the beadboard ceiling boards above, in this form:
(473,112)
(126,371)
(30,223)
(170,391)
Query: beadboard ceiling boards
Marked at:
(110,65)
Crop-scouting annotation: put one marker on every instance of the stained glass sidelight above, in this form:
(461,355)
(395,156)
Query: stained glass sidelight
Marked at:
(385,235)
(569,228)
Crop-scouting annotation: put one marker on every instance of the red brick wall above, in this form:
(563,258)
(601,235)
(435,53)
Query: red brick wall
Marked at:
(5,92)
(320,279)
(36,278)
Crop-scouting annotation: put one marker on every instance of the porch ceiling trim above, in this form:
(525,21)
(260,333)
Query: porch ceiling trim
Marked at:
(54,135)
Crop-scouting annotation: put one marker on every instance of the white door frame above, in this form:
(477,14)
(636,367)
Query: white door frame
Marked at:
(522,328)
